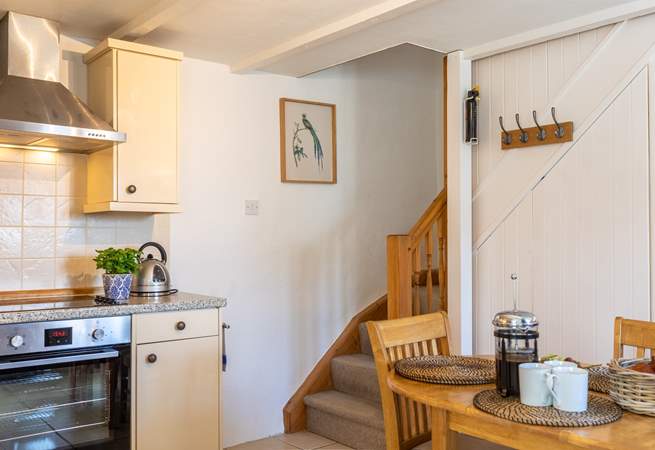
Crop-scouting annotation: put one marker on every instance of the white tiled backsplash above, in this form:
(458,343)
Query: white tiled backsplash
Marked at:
(46,241)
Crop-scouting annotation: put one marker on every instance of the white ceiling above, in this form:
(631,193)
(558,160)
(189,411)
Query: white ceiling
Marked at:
(444,26)
(83,18)
(229,30)
(296,37)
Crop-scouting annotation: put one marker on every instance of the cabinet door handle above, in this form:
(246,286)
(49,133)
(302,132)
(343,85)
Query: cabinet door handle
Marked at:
(224,355)
(180,325)
(152,358)
(131,189)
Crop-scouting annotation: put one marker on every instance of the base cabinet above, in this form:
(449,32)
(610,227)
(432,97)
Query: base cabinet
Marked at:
(177,392)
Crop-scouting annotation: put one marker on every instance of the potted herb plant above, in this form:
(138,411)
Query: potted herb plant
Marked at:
(119,264)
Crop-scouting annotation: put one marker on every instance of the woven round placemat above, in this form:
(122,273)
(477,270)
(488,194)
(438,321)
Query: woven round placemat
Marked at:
(447,369)
(599,379)
(600,410)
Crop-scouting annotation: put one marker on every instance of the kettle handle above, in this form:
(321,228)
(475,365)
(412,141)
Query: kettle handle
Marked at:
(162,252)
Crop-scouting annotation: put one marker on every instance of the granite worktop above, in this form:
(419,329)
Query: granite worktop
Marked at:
(39,309)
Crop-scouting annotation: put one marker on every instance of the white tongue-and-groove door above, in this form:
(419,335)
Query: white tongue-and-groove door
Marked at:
(578,232)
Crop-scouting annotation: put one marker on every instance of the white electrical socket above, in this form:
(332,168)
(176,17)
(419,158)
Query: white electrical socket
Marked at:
(252,207)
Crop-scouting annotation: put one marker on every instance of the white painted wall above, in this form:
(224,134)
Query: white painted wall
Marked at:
(572,220)
(315,255)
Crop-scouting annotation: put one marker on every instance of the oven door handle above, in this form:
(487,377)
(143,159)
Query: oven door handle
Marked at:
(58,360)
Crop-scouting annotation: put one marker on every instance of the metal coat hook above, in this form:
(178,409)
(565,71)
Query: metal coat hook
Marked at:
(524,134)
(560,129)
(507,138)
(541,134)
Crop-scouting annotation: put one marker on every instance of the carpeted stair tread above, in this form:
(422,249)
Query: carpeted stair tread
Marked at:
(348,432)
(357,359)
(347,407)
(355,375)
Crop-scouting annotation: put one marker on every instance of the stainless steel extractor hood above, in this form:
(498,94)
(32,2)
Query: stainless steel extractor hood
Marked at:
(36,110)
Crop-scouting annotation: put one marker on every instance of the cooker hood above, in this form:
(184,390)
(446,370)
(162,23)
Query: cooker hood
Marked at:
(36,110)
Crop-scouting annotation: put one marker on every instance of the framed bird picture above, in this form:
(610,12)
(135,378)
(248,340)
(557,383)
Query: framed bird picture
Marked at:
(308,142)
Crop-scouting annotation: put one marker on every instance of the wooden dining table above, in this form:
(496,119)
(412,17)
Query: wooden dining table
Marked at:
(452,411)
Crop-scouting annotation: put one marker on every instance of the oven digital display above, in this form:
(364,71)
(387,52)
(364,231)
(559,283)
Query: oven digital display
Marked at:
(58,336)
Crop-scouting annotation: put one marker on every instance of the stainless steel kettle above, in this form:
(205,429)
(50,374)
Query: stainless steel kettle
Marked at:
(153,277)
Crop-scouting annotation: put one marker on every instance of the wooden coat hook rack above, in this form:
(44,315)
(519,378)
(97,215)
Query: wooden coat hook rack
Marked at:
(555,133)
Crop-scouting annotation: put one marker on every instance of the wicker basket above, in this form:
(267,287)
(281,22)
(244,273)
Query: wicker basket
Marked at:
(632,390)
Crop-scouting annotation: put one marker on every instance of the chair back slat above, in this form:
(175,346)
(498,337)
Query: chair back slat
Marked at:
(633,333)
(406,422)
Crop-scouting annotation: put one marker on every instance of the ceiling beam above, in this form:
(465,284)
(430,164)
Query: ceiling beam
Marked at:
(384,11)
(152,18)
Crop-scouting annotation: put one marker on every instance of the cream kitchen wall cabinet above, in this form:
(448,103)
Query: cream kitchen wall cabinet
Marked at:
(136,89)
(176,361)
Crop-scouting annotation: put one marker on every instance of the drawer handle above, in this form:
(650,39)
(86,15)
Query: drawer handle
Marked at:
(131,189)
(152,358)
(180,325)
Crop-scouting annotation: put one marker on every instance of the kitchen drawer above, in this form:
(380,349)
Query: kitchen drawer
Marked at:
(173,325)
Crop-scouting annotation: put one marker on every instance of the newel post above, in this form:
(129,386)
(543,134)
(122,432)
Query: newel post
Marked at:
(399,277)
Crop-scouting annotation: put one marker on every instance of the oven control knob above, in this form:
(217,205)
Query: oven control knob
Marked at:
(16,341)
(98,334)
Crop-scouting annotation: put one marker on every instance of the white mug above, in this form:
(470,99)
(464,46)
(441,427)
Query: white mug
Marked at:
(532,384)
(556,363)
(569,387)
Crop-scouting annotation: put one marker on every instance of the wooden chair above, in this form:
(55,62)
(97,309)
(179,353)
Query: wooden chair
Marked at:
(406,422)
(633,333)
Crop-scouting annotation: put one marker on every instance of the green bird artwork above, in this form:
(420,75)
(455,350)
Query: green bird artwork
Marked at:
(318,150)
(298,148)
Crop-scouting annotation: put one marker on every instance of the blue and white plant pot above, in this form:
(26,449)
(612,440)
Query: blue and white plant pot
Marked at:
(117,286)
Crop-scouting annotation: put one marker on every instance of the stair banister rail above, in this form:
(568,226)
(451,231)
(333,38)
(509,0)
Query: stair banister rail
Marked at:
(412,263)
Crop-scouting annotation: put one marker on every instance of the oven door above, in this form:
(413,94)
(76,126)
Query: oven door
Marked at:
(66,399)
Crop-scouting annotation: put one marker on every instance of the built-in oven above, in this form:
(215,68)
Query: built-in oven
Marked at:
(65,384)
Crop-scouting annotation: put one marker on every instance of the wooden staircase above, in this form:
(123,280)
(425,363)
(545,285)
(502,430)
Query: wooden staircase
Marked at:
(411,262)
(350,412)
(320,379)
(340,398)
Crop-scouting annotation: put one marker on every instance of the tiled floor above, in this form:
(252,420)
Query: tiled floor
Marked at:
(296,441)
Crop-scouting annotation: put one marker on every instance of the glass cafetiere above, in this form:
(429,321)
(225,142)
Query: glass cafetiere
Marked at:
(516,333)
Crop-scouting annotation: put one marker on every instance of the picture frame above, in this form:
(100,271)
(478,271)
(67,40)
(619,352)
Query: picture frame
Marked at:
(308,141)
